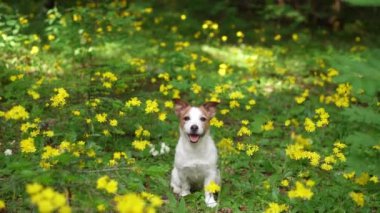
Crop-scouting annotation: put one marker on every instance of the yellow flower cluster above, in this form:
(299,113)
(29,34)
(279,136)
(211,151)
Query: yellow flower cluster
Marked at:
(59,100)
(212,187)
(358,198)
(337,155)
(139,63)
(108,184)
(297,151)
(300,99)
(27,145)
(341,98)
(300,191)
(133,102)
(46,199)
(323,120)
(107,78)
(215,122)
(196,88)
(16,113)
(276,208)
(151,106)
(137,203)
(226,147)
(139,143)
(117,156)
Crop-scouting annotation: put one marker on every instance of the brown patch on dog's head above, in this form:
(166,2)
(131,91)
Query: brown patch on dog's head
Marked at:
(209,108)
(181,110)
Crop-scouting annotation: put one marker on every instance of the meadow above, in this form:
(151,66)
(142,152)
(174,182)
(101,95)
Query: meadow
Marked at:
(87,121)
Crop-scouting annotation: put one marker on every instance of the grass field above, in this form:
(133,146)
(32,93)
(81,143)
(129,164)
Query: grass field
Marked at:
(86,99)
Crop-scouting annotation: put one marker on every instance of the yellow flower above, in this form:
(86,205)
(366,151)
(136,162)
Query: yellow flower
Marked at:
(215,122)
(33,188)
(300,192)
(100,208)
(251,149)
(349,175)
(133,102)
(111,186)
(212,187)
(277,37)
(326,166)
(113,122)
(16,113)
(295,37)
(285,183)
(374,179)
(362,179)
(151,106)
(276,208)
(2,204)
(162,116)
(59,99)
(267,126)
(244,131)
(34,50)
(129,203)
(101,118)
(358,198)
(309,125)
(107,184)
(196,88)
(140,144)
(27,145)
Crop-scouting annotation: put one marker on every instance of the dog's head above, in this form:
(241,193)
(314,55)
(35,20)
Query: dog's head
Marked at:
(194,121)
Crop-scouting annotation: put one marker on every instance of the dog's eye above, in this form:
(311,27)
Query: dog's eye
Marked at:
(203,119)
(186,118)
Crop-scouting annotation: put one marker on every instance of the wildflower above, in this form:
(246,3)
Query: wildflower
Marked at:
(34,50)
(300,192)
(196,88)
(151,106)
(169,104)
(285,183)
(326,166)
(16,113)
(101,118)
(101,208)
(362,179)
(374,179)
(2,204)
(46,199)
(215,122)
(113,122)
(309,125)
(226,147)
(276,208)
(268,126)
(35,95)
(140,144)
(162,116)
(8,152)
(295,37)
(349,175)
(27,145)
(244,131)
(222,71)
(358,198)
(277,37)
(300,99)
(129,203)
(107,184)
(212,187)
(133,102)
(251,149)
(234,104)
(59,99)
(236,95)
(155,200)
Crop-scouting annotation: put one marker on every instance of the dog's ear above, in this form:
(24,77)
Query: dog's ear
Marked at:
(179,106)
(210,108)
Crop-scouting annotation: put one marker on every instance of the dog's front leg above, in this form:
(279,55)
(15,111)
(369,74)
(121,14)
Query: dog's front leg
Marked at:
(209,197)
(185,185)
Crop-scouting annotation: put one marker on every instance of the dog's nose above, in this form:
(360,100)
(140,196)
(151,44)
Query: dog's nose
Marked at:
(194,128)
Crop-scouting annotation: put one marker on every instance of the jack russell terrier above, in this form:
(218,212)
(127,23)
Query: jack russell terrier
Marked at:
(195,163)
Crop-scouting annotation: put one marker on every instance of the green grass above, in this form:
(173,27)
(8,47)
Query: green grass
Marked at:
(155,56)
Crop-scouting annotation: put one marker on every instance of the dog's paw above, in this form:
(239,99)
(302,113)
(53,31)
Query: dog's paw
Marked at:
(211,204)
(184,193)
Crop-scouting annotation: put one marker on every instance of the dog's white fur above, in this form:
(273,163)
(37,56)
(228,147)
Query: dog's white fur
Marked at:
(195,163)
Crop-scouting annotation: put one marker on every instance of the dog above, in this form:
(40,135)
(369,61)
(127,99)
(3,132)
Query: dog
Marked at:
(195,161)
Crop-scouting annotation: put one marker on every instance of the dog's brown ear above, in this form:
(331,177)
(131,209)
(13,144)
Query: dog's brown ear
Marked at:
(179,106)
(210,107)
